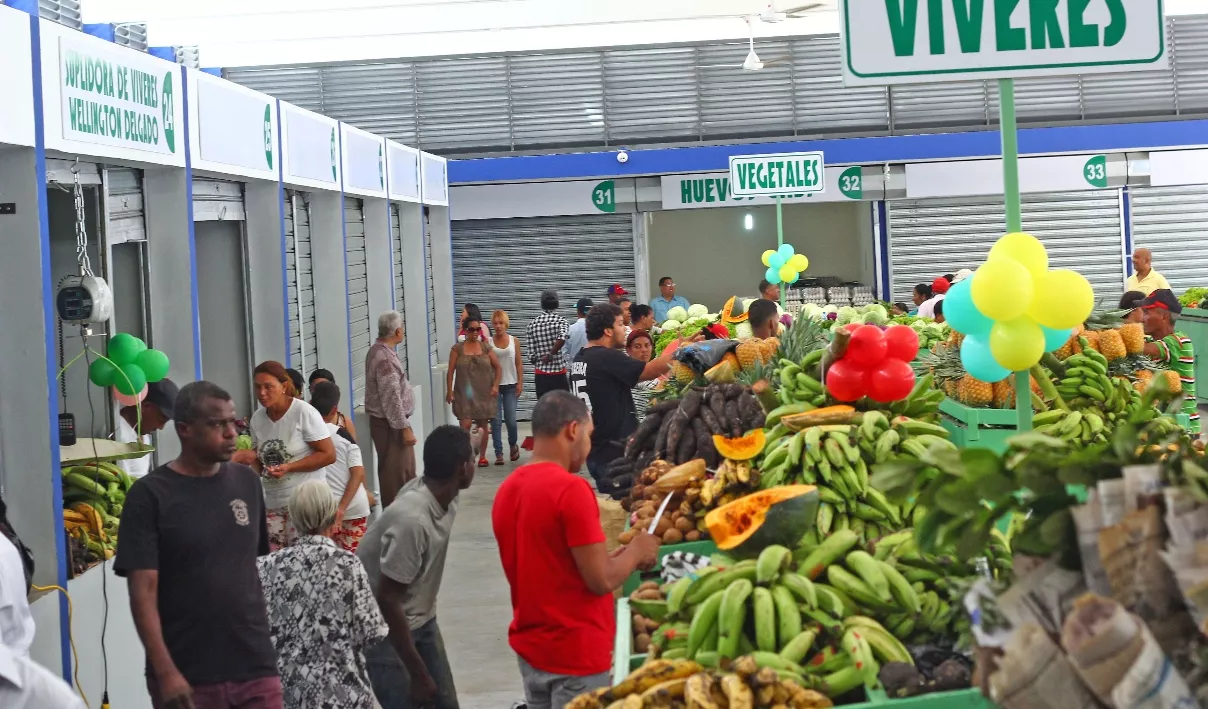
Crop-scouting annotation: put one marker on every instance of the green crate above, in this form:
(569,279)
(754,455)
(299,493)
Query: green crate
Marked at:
(1193,322)
(704,548)
(970,427)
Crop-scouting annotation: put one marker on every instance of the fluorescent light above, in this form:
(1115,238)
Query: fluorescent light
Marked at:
(748,221)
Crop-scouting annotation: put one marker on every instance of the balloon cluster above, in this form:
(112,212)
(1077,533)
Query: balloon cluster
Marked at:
(876,364)
(783,264)
(1014,308)
(129,367)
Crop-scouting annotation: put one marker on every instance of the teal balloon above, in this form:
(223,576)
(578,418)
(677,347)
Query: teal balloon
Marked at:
(962,314)
(1054,339)
(102,373)
(154,364)
(130,379)
(124,348)
(773,274)
(786,253)
(776,261)
(978,360)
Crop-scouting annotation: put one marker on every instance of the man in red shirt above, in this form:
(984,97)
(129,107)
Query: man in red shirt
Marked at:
(547,525)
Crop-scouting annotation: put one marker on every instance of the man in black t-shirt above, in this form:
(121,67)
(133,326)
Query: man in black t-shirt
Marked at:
(604,376)
(190,534)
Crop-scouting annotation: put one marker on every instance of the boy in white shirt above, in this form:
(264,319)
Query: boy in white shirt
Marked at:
(346,476)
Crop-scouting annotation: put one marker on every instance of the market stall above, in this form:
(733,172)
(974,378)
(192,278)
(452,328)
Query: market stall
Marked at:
(438,265)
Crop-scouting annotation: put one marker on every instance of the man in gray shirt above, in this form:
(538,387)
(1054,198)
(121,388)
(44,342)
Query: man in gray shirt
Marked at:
(404,555)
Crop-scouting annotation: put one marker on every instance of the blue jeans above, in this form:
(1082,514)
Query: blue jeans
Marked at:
(389,677)
(507,412)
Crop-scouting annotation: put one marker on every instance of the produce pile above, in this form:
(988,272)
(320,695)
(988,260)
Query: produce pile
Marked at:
(1192,297)
(684,684)
(93,495)
(683,520)
(689,322)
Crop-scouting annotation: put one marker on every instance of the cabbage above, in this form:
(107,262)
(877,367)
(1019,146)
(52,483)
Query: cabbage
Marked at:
(918,325)
(830,308)
(743,331)
(857,320)
(672,325)
(846,314)
(811,310)
(696,310)
(876,314)
(712,317)
(937,328)
(677,313)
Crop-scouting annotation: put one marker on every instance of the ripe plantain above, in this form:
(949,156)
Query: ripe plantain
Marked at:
(652,673)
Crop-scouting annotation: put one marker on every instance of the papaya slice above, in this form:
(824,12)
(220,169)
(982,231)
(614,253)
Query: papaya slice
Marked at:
(778,515)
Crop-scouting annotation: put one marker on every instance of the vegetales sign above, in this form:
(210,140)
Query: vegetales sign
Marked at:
(776,174)
(916,41)
(117,98)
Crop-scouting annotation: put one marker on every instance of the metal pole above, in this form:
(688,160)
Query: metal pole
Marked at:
(780,242)
(1010,175)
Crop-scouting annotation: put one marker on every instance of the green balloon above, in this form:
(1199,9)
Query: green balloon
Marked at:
(102,373)
(154,364)
(133,381)
(124,348)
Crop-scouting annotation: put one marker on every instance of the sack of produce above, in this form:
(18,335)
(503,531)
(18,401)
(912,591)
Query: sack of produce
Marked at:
(1088,519)
(1035,674)
(1102,640)
(1152,682)
(612,519)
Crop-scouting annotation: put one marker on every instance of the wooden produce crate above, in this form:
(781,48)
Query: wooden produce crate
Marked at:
(970,427)
(1193,322)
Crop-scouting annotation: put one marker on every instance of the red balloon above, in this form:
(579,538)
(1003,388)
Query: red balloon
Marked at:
(867,347)
(845,381)
(901,342)
(891,381)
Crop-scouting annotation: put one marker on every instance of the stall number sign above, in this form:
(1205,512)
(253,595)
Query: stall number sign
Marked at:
(604,196)
(915,41)
(777,174)
(108,101)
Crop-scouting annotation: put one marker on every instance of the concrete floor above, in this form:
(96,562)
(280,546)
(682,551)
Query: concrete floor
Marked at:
(474,607)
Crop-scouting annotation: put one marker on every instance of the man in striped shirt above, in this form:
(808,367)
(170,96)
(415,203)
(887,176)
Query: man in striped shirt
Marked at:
(1171,348)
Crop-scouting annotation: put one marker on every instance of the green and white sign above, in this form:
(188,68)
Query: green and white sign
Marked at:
(713,189)
(363,162)
(776,174)
(604,196)
(116,97)
(919,41)
(232,129)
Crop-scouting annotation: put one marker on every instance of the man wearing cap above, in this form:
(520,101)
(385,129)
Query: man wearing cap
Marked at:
(156,413)
(939,288)
(1144,278)
(1170,348)
(576,336)
(615,291)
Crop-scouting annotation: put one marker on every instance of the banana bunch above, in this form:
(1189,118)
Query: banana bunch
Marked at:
(93,496)
(733,479)
(798,387)
(1086,384)
(837,459)
(744,686)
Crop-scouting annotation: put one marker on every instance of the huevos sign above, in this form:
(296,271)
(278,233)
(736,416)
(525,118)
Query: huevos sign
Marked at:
(917,41)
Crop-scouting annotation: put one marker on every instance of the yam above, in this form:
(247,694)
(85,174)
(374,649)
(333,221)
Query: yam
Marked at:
(660,440)
(663,407)
(673,536)
(627,536)
(684,524)
(713,421)
(687,448)
(641,644)
(661,528)
(705,449)
(692,536)
(733,420)
(717,403)
(644,434)
(690,404)
(675,432)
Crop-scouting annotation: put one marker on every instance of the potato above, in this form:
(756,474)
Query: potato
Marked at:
(684,525)
(641,644)
(628,535)
(692,536)
(663,526)
(673,536)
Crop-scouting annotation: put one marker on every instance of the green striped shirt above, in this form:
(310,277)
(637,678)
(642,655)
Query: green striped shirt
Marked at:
(1176,352)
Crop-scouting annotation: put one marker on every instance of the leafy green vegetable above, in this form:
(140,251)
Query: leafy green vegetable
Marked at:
(1193,296)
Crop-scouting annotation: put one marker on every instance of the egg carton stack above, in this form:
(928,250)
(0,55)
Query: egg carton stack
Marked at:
(838,295)
(862,295)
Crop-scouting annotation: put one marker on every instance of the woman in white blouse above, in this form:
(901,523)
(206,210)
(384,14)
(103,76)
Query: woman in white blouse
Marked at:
(293,445)
(511,384)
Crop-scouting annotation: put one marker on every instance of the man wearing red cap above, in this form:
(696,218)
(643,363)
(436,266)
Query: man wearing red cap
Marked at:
(939,287)
(615,291)
(1170,348)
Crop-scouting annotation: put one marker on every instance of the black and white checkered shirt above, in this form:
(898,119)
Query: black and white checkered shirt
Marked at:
(544,330)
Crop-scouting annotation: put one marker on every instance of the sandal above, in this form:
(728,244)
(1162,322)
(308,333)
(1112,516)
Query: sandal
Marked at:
(482,462)
(515,453)
(499,459)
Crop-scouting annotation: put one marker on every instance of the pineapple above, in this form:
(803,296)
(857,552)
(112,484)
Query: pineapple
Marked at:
(1144,377)
(1172,381)
(1092,337)
(1133,334)
(748,353)
(1111,344)
(1003,394)
(974,392)
(1067,349)
(682,372)
(805,336)
(732,359)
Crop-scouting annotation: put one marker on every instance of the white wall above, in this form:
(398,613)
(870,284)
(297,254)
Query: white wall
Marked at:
(712,256)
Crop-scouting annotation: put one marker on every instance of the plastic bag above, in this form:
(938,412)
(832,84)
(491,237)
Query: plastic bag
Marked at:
(703,356)
(679,564)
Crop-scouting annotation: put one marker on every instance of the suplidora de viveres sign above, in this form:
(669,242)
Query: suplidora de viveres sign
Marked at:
(117,98)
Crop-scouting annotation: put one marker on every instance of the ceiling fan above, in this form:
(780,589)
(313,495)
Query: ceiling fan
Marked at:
(771,15)
(752,62)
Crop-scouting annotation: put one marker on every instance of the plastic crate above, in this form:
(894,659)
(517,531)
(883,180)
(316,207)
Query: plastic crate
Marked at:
(1193,322)
(970,427)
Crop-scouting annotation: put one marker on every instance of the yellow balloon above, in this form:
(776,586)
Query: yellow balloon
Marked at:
(1064,299)
(1016,344)
(788,274)
(1024,248)
(799,262)
(1002,289)
(768,255)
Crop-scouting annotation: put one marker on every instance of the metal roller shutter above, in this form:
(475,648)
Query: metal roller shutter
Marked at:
(306,285)
(396,254)
(931,237)
(124,203)
(217,200)
(568,250)
(358,294)
(291,280)
(1172,222)
(433,345)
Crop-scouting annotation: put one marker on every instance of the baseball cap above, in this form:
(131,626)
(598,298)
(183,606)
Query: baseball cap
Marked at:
(1162,298)
(616,289)
(940,285)
(163,395)
(963,274)
(583,305)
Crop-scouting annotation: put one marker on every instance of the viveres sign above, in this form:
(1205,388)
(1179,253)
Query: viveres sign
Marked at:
(116,100)
(915,41)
